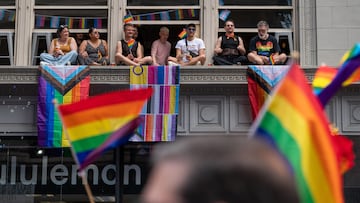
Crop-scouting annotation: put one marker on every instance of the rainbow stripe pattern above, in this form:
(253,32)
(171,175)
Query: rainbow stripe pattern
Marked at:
(261,80)
(66,84)
(348,72)
(294,122)
(160,112)
(102,122)
(131,43)
(128,19)
(182,34)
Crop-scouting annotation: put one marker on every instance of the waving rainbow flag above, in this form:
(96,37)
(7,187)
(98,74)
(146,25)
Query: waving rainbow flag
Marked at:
(131,43)
(102,122)
(182,34)
(294,122)
(348,72)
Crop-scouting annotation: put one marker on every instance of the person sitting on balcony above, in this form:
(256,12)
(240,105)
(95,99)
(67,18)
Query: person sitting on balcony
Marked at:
(62,51)
(264,48)
(128,50)
(229,49)
(94,51)
(190,50)
(160,48)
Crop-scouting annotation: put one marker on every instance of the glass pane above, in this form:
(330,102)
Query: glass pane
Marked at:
(249,18)
(176,14)
(162,3)
(7,19)
(74,19)
(256,2)
(71,2)
(7,3)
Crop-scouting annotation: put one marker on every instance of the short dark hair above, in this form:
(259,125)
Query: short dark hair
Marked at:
(91,29)
(190,25)
(128,25)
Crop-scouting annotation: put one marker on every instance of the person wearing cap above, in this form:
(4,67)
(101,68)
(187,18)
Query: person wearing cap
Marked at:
(62,51)
(190,50)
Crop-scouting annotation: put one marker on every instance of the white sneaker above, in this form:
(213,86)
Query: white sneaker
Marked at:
(170,63)
(43,63)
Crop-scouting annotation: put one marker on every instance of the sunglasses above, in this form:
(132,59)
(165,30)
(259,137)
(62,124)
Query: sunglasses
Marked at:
(191,29)
(63,26)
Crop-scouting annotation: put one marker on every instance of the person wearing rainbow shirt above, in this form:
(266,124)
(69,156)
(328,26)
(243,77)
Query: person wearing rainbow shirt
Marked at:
(264,48)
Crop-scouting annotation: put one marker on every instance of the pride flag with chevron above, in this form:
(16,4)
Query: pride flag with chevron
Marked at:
(261,80)
(66,84)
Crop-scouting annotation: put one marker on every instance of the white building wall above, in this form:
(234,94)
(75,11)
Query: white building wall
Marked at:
(338,28)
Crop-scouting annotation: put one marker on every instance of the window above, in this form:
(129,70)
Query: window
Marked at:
(78,15)
(7,25)
(279,14)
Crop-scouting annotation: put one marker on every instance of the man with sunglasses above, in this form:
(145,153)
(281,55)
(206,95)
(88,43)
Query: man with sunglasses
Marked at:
(264,48)
(229,49)
(190,50)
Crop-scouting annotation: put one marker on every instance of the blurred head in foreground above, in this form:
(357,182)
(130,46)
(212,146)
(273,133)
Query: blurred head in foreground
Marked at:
(218,170)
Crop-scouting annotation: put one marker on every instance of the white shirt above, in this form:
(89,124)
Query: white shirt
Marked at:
(194,45)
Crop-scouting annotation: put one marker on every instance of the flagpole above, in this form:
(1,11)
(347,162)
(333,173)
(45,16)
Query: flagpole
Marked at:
(81,173)
(87,188)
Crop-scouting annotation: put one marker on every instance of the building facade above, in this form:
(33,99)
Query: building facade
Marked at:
(213,99)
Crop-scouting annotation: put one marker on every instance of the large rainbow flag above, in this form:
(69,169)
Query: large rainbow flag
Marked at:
(102,122)
(66,84)
(261,80)
(294,122)
(160,112)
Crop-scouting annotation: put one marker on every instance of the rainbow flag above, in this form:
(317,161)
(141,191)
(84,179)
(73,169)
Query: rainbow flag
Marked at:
(66,84)
(182,34)
(323,77)
(271,59)
(160,113)
(131,43)
(348,72)
(128,19)
(261,80)
(294,122)
(102,122)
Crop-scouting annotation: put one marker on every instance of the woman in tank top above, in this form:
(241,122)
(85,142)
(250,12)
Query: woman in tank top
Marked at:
(62,51)
(94,51)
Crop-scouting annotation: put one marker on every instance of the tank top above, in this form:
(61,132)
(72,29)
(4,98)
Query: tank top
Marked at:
(125,48)
(64,48)
(230,42)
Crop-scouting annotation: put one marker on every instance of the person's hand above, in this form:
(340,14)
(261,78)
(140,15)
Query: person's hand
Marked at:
(130,56)
(136,60)
(188,57)
(84,54)
(265,59)
(218,50)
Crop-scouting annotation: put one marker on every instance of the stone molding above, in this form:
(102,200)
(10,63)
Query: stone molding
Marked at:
(219,75)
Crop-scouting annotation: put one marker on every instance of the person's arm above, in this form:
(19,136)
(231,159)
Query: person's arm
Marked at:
(73,44)
(120,57)
(241,47)
(218,49)
(52,47)
(82,48)
(154,48)
(178,54)
(106,49)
